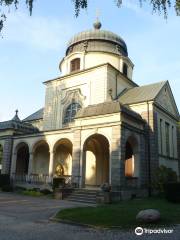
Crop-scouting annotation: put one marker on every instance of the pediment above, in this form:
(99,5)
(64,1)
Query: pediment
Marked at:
(166,100)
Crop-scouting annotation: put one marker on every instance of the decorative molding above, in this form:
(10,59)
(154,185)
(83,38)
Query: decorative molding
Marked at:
(73,95)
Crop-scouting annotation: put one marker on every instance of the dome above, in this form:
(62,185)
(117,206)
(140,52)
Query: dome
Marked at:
(97,40)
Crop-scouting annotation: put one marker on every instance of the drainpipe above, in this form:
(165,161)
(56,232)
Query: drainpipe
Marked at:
(149,154)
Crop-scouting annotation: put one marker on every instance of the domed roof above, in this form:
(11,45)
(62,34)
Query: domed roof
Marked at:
(97,34)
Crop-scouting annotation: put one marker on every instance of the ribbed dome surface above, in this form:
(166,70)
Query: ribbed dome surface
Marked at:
(98,35)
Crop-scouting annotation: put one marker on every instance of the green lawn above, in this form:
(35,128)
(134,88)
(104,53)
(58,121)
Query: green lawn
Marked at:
(122,214)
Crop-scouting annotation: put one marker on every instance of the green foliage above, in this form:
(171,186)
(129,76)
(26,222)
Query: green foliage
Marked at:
(163,175)
(58,182)
(45,191)
(4,180)
(157,6)
(32,193)
(7,188)
(172,192)
(123,214)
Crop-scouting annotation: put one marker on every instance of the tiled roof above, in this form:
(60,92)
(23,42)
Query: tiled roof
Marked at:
(141,94)
(35,116)
(17,125)
(105,108)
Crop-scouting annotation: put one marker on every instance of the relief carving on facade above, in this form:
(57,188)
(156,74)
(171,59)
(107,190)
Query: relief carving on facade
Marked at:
(73,95)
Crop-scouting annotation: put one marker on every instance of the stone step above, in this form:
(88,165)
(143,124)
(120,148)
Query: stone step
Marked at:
(86,193)
(83,195)
(81,200)
(80,195)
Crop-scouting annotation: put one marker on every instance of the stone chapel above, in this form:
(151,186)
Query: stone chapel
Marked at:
(97,124)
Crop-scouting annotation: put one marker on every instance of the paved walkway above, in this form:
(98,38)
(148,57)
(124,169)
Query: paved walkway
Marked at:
(26,218)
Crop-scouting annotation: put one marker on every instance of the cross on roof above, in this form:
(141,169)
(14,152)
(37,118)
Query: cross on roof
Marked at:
(97,14)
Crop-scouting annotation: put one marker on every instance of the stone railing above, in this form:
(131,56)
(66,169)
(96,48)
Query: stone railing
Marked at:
(40,179)
(32,178)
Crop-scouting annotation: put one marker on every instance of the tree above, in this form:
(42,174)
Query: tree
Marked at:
(157,6)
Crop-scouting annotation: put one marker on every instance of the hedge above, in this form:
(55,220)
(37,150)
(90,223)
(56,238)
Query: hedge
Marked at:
(172,192)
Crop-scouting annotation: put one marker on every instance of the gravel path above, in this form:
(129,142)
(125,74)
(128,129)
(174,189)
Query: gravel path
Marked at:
(26,218)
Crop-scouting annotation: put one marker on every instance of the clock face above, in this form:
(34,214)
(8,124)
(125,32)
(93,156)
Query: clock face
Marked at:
(59,170)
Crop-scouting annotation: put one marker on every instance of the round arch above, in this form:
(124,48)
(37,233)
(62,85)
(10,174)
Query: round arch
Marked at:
(131,157)
(22,158)
(63,157)
(96,160)
(41,157)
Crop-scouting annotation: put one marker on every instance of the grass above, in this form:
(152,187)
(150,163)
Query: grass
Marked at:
(123,214)
(32,193)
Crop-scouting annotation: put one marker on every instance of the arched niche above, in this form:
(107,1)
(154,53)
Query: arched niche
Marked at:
(22,159)
(41,157)
(96,160)
(131,158)
(63,157)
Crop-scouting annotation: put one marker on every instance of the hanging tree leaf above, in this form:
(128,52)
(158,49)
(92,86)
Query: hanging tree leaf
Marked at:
(160,6)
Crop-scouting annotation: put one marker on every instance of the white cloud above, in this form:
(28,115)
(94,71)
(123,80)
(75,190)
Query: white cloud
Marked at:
(40,32)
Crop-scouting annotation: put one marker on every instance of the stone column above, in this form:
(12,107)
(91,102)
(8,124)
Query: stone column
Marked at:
(13,164)
(30,167)
(51,163)
(7,154)
(152,136)
(143,167)
(76,178)
(115,159)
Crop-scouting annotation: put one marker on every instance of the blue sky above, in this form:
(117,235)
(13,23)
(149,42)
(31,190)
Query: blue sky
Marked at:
(32,47)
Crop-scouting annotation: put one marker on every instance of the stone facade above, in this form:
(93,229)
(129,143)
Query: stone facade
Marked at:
(98,122)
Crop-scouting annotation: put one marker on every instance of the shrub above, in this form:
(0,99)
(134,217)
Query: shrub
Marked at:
(4,180)
(58,182)
(45,191)
(7,188)
(163,175)
(19,189)
(32,193)
(172,192)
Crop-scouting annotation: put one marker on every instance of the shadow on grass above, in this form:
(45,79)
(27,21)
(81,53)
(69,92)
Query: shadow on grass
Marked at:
(123,214)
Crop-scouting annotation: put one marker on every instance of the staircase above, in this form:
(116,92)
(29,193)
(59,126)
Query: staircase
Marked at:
(83,195)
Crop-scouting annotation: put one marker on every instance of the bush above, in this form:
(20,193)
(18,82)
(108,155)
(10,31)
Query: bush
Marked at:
(172,192)
(4,180)
(7,188)
(32,193)
(163,175)
(45,191)
(19,189)
(58,182)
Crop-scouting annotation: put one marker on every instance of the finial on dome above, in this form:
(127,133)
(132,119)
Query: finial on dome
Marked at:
(16,118)
(97,25)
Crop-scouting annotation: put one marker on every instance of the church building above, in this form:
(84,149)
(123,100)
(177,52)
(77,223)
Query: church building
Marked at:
(97,125)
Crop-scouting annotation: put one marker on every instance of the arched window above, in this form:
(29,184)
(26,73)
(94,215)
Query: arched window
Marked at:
(125,69)
(75,65)
(129,161)
(71,111)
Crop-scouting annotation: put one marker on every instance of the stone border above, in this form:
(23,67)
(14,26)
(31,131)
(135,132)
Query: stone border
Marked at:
(69,222)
